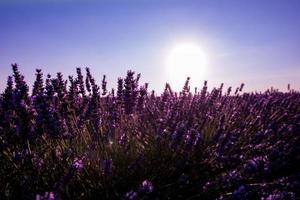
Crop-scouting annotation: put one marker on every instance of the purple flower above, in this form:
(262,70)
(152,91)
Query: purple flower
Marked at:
(146,187)
(37,197)
(131,195)
(123,140)
(46,196)
(77,164)
(279,195)
(188,141)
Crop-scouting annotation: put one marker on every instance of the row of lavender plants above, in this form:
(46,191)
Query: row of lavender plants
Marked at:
(73,139)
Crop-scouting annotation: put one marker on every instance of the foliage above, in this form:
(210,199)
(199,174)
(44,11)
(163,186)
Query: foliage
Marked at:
(69,140)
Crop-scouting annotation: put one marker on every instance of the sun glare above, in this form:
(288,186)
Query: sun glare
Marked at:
(186,60)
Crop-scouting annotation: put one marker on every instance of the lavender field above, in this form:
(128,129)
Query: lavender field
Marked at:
(69,138)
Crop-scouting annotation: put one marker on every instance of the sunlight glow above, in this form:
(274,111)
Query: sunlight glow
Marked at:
(186,60)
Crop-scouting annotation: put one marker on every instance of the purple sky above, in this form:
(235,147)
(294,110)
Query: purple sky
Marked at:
(256,42)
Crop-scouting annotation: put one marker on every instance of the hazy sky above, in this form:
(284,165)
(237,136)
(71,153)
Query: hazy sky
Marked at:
(252,41)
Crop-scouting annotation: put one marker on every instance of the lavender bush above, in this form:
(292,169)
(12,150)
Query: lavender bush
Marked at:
(73,139)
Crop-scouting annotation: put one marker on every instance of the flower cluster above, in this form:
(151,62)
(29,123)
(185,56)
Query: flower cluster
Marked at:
(82,140)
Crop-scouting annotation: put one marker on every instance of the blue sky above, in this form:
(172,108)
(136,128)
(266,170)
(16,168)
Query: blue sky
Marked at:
(256,42)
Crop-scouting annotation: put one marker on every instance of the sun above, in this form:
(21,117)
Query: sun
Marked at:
(186,60)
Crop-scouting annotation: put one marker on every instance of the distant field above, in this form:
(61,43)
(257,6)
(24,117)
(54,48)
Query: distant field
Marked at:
(70,138)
